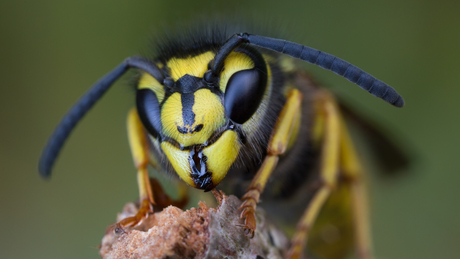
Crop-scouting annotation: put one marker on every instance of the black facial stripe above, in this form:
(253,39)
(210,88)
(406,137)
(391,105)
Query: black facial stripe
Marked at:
(189,84)
(188,116)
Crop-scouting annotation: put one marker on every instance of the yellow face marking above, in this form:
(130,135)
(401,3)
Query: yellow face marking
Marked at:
(221,155)
(149,82)
(208,111)
(171,115)
(179,160)
(235,62)
(194,66)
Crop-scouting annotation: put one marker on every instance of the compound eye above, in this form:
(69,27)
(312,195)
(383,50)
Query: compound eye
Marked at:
(244,93)
(149,111)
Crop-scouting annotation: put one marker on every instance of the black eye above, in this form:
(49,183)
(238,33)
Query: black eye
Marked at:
(244,93)
(149,111)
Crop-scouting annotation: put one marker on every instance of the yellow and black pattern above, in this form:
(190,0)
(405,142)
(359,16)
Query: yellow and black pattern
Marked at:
(215,105)
(197,138)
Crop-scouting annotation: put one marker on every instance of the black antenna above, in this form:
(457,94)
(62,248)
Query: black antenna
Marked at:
(314,56)
(74,115)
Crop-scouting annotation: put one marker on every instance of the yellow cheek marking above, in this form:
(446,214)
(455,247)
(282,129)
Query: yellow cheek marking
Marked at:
(194,66)
(236,61)
(171,115)
(179,160)
(221,155)
(149,82)
(208,110)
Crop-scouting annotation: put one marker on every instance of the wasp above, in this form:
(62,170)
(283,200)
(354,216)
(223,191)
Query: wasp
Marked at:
(234,111)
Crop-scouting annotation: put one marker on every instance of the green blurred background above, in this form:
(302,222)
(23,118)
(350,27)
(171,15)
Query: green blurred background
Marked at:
(52,51)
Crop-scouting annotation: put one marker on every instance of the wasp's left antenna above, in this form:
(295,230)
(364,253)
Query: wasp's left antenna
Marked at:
(311,55)
(74,115)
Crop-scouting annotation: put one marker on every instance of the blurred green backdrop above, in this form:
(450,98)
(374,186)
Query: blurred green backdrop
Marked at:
(52,51)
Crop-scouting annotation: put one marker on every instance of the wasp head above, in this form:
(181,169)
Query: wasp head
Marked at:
(196,122)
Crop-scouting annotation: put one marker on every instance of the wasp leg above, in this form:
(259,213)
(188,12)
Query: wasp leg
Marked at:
(162,200)
(353,173)
(328,117)
(138,142)
(282,132)
(219,195)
